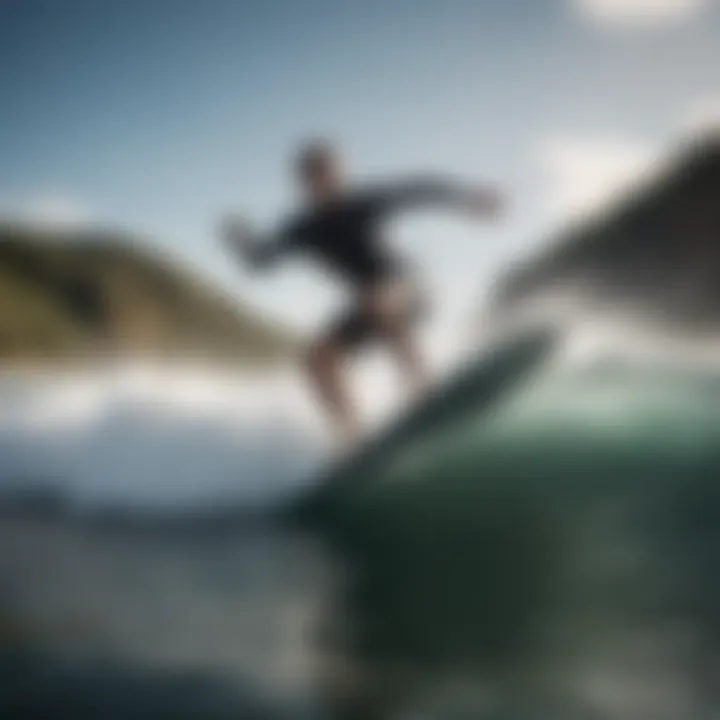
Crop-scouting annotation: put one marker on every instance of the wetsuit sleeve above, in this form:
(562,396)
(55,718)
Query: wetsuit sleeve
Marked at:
(419,193)
(262,253)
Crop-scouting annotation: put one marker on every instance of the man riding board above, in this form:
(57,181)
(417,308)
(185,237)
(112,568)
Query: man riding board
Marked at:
(341,228)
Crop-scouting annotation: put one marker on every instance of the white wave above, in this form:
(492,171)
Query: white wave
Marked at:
(144,435)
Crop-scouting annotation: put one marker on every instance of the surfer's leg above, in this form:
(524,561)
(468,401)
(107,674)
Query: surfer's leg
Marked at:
(405,347)
(395,309)
(329,363)
(327,369)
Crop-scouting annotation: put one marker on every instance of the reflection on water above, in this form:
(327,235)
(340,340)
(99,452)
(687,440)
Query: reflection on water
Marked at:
(158,618)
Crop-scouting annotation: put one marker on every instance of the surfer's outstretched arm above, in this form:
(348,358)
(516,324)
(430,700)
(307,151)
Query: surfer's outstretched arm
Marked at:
(255,251)
(421,192)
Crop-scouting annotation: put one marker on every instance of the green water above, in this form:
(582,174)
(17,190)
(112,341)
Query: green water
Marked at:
(558,548)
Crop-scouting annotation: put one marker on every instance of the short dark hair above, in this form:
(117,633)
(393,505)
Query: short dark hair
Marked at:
(313,156)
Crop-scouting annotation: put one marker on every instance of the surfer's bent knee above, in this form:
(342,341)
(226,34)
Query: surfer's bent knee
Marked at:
(321,358)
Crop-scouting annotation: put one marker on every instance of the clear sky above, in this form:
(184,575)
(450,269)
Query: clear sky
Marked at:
(160,114)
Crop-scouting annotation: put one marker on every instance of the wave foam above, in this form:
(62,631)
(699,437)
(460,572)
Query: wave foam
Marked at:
(142,435)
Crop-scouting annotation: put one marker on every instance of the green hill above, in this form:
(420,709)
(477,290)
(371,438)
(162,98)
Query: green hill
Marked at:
(77,294)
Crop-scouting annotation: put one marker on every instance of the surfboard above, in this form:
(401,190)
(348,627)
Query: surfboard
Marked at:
(471,392)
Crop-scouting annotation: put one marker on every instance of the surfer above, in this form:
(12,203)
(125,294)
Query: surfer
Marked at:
(341,228)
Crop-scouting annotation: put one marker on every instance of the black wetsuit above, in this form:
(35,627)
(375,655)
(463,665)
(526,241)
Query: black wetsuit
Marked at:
(346,237)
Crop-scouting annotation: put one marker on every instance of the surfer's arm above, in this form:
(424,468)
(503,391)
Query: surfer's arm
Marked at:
(256,251)
(423,192)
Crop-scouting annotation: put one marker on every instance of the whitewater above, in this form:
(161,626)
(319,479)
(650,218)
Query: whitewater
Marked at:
(168,436)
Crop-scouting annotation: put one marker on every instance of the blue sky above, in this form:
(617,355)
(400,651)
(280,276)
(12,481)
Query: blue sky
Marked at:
(161,114)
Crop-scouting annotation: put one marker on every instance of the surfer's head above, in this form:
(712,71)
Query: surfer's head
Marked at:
(319,170)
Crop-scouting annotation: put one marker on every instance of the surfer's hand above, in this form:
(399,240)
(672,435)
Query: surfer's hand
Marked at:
(487,203)
(236,235)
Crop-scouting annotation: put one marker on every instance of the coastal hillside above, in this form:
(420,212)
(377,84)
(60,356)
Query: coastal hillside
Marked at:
(83,293)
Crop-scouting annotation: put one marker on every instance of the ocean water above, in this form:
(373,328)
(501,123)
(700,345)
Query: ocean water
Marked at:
(554,556)
(139,575)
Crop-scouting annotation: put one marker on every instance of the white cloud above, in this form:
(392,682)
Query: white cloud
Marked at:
(50,211)
(621,13)
(587,173)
